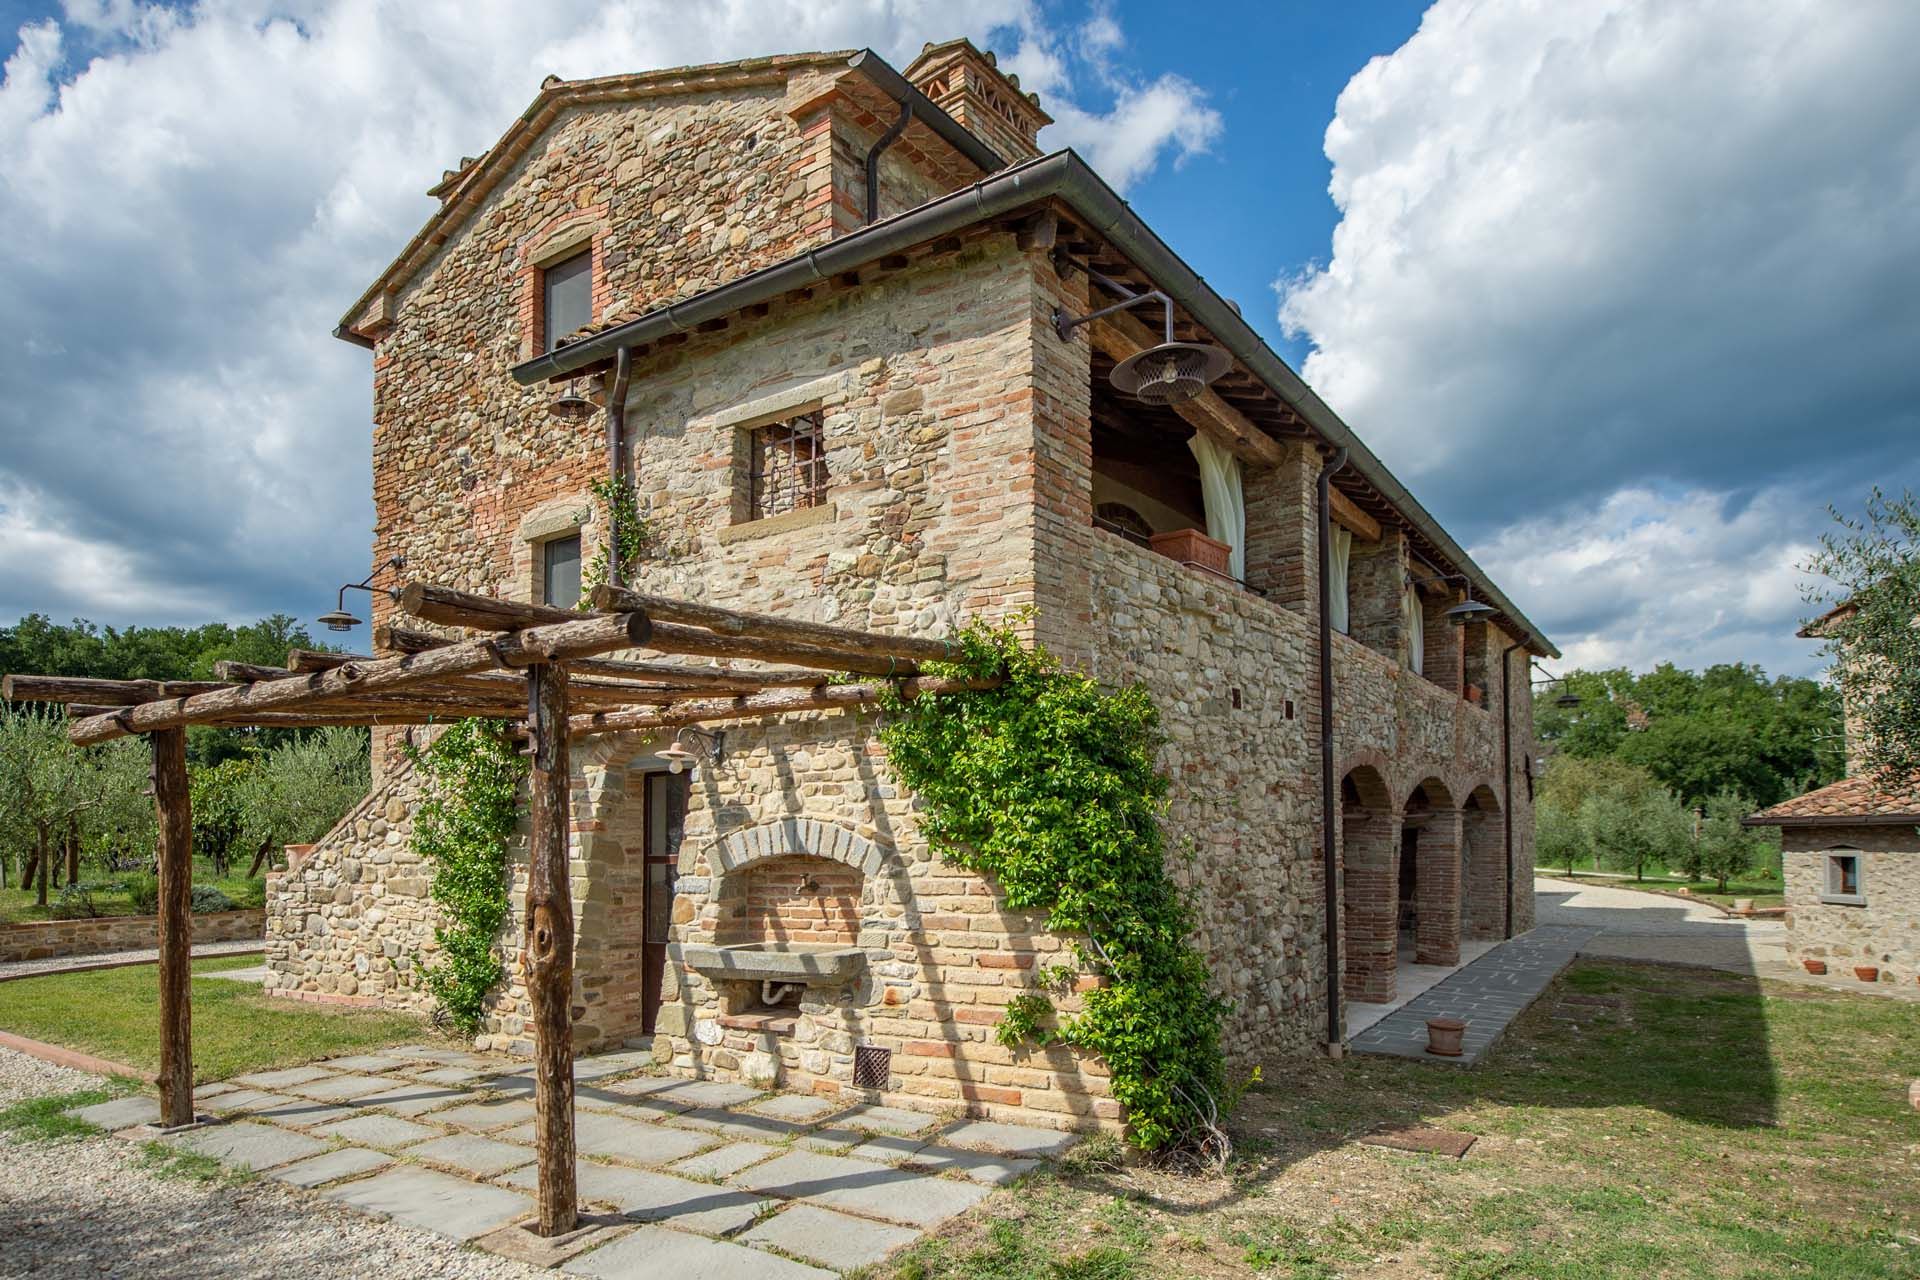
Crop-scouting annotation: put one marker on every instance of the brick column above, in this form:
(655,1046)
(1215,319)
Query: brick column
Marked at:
(1437,889)
(1377,583)
(1370,889)
(1480,861)
(1282,527)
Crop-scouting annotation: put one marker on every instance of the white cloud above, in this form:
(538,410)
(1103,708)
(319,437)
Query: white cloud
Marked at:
(193,195)
(1643,577)
(1591,249)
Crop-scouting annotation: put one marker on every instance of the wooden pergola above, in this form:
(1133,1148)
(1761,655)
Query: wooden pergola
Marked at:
(544,667)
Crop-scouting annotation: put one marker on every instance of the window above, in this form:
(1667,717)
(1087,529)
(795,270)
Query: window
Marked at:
(1843,880)
(787,467)
(568,296)
(1122,519)
(560,572)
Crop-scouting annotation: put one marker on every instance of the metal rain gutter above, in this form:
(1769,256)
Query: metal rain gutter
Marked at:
(951,131)
(1065,176)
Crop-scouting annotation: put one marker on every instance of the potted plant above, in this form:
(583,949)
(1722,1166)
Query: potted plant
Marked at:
(1867,972)
(1444,1036)
(1193,547)
(1475,694)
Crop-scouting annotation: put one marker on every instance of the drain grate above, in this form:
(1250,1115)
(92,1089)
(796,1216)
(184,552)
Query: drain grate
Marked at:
(872,1066)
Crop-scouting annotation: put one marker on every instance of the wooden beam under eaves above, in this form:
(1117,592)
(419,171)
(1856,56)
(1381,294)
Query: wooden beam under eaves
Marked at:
(1347,513)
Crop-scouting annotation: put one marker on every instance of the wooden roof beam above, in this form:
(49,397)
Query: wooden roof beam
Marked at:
(825,698)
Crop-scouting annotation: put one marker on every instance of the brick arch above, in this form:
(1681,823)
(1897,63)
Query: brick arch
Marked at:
(786,838)
(1482,857)
(1377,761)
(1440,789)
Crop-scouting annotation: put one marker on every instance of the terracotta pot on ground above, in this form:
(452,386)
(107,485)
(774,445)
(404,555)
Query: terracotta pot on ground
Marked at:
(1815,967)
(1443,1036)
(1475,694)
(1867,972)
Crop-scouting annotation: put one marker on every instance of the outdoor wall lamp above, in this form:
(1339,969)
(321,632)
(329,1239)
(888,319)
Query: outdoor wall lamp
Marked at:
(1567,698)
(1171,373)
(339,619)
(712,742)
(570,405)
(1467,611)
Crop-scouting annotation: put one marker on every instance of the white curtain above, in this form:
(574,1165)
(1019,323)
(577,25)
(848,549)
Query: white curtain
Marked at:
(1339,559)
(1416,631)
(1226,504)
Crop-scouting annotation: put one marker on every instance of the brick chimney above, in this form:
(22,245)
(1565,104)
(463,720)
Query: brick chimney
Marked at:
(970,87)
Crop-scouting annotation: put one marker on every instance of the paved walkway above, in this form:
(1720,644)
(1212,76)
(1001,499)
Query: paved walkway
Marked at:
(1487,995)
(1631,925)
(116,959)
(705,1180)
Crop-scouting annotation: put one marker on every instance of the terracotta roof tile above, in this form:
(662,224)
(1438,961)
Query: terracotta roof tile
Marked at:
(1862,798)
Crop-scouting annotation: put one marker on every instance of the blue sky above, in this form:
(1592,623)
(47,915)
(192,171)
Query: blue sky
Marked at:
(1627,292)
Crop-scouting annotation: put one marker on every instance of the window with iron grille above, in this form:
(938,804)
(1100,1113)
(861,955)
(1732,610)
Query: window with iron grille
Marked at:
(787,467)
(872,1066)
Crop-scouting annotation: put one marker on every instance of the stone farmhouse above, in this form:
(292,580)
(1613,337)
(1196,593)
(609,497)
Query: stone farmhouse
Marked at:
(823,314)
(1850,862)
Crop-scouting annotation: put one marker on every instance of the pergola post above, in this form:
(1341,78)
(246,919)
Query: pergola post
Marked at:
(173,807)
(548,949)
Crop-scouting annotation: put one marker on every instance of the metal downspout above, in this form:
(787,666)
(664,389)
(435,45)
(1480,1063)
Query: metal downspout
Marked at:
(1329,848)
(1506,770)
(617,455)
(880,144)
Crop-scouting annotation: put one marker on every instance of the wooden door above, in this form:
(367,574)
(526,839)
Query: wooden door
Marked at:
(666,815)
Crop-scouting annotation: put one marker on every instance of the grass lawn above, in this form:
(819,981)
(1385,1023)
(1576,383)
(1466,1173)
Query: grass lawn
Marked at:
(1707,1126)
(115,1013)
(24,904)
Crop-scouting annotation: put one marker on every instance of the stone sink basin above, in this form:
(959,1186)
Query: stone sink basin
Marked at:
(812,963)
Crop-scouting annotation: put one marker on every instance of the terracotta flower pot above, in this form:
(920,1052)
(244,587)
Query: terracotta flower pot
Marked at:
(1815,967)
(1191,546)
(1444,1035)
(1867,972)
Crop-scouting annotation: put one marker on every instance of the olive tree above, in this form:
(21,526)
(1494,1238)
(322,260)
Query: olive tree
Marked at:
(1873,566)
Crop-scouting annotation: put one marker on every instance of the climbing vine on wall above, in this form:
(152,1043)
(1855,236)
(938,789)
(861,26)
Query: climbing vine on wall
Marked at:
(469,812)
(615,496)
(1047,783)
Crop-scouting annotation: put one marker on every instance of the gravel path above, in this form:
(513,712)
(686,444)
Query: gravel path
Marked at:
(59,964)
(86,1208)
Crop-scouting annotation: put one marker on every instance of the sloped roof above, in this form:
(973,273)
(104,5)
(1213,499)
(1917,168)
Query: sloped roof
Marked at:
(1860,801)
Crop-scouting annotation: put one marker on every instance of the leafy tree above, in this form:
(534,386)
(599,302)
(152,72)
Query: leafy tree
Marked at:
(1874,565)
(1629,832)
(1557,841)
(299,790)
(48,784)
(1724,849)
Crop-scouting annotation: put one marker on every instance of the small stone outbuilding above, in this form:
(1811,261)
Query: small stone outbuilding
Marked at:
(1850,856)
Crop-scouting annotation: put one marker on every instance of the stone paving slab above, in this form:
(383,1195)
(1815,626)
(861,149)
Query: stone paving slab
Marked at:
(829,1238)
(639,1141)
(708,1093)
(738,1125)
(723,1162)
(796,1108)
(473,1153)
(302,1113)
(412,1099)
(646,1196)
(458,1077)
(120,1113)
(242,1100)
(1007,1139)
(378,1130)
(655,1253)
(982,1167)
(372,1063)
(1487,994)
(272,1080)
(497,1113)
(245,1143)
(878,1119)
(860,1186)
(341,1088)
(330,1166)
(437,1202)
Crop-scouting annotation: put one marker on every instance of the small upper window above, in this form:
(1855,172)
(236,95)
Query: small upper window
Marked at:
(560,572)
(788,467)
(1843,880)
(568,286)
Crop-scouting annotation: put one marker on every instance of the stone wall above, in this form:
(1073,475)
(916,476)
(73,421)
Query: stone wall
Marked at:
(1885,931)
(48,939)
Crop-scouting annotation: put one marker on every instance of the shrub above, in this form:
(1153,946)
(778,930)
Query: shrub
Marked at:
(207,898)
(76,901)
(144,892)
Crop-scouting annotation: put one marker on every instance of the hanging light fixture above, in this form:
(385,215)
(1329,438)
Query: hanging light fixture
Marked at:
(570,405)
(338,618)
(1170,373)
(1469,611)
(680,757)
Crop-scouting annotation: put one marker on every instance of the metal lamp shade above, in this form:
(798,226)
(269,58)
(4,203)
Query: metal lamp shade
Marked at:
(1469,611)
(1170,373)
(338,620)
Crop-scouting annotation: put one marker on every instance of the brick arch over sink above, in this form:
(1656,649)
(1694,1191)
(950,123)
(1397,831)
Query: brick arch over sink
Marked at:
(786,838)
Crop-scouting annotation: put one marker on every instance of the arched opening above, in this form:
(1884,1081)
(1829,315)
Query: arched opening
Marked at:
(1369,841)
(1482,905)
(1429,892)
